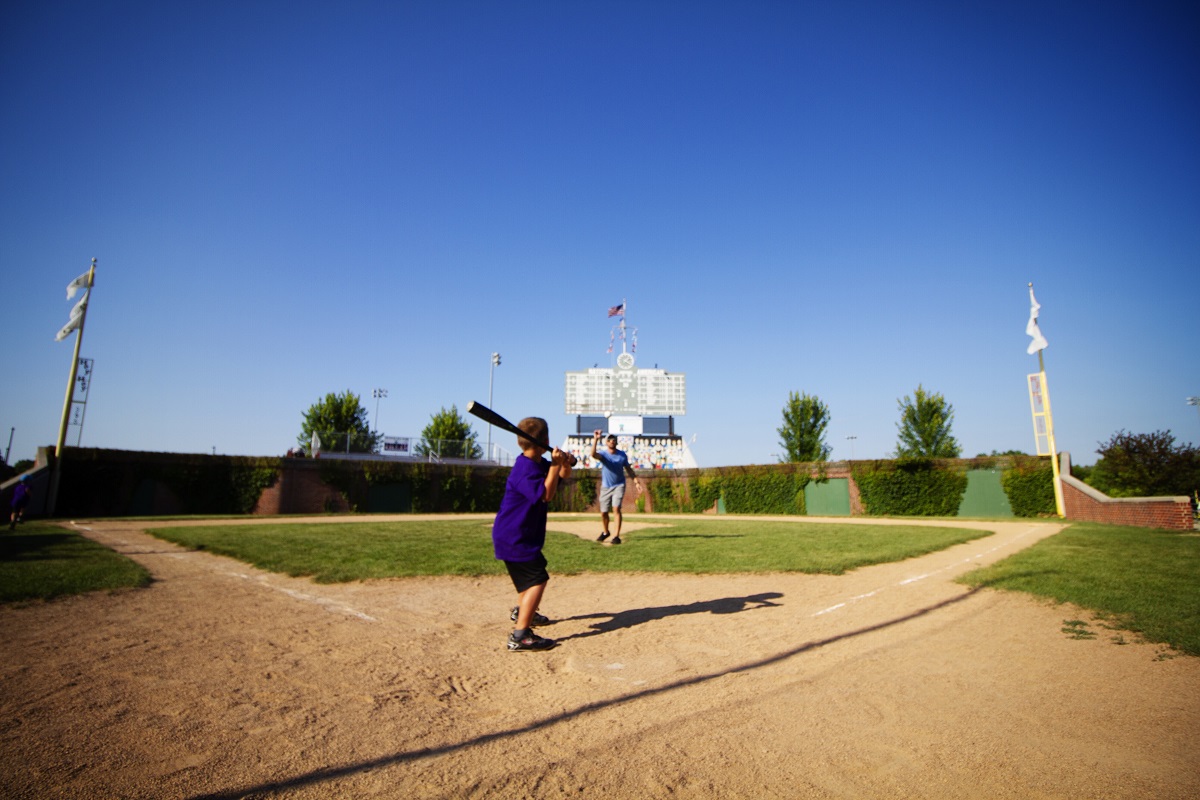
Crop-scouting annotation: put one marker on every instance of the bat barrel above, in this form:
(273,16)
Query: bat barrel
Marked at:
(492,418)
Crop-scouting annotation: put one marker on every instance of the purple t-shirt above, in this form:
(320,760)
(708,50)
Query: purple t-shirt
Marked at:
(520,528)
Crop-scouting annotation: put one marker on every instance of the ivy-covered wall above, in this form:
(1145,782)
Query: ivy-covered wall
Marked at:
(108,483)
(124,483)
(983,487)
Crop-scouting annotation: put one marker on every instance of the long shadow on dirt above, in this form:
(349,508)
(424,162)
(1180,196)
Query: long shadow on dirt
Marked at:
(639,616)
(334,773)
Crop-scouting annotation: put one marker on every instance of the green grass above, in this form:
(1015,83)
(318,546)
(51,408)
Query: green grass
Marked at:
(43,561)
(1133,578)
(1137,579)
(335,552)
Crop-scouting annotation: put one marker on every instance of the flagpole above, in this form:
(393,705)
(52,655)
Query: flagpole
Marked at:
(624,313)
(1059,506)
(66,414)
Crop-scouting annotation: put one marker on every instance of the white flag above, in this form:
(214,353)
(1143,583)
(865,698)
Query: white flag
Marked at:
(66,329)
(1039,342)
(76,318)
(77,284)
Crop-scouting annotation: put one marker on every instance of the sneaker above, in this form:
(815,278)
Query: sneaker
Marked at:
(538,619)
(530,641)
(602,537)
(616,540)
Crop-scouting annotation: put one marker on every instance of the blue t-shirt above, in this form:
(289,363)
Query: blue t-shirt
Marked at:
(520,528)
(613,467)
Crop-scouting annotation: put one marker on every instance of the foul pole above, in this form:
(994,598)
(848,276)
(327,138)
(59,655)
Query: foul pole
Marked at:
(66,414)
(1042,396)
(1054,467)
(56,476)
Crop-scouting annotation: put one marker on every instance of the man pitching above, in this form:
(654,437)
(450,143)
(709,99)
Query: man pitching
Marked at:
(614,466)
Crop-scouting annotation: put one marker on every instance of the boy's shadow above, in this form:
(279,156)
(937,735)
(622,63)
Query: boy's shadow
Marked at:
(637,616)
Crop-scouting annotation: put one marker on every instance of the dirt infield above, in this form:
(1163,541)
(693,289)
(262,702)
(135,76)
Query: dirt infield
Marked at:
(893,681)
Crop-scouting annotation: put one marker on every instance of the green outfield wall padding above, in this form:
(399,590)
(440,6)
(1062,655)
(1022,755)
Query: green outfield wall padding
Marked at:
(389,497)
(985,495)
(142,502)
(829,498)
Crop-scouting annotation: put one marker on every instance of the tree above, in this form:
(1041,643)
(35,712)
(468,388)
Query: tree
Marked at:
(448,435)
(335,418)
(924,427)
(802,436)
(1146,465)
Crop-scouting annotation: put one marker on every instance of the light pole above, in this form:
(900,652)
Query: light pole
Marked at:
(378,394)
(851,440)
(1194,401)
(491,377)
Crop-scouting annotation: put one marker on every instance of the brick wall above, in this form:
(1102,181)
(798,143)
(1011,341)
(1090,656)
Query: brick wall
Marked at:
(1082,502)
(299,489)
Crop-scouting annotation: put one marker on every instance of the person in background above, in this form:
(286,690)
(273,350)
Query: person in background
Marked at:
(614,465)
(20,499)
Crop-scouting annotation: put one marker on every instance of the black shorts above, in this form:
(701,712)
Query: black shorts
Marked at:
(527,574)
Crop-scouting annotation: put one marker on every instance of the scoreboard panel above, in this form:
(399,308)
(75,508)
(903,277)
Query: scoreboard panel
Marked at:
(626,390)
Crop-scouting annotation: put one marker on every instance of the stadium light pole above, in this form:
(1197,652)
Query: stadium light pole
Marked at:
(378,394)
(1194,401)
(491,381)
(851,440)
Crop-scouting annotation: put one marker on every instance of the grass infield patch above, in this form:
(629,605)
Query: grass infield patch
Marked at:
(336,552)
(40,561)
(1137,579)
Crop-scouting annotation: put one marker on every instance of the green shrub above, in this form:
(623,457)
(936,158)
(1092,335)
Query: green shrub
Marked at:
(572,492)
(760,490)
(1030,488)
(586,481)
(910,487)
(248,481)
(704,492)
(664,495)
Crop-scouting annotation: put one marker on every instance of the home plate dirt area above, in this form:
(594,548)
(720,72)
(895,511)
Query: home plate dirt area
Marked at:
(893,681)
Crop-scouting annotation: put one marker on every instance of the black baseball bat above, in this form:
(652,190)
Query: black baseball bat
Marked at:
(492,418)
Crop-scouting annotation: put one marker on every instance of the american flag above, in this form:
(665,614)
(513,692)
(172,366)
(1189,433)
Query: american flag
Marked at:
(617,310)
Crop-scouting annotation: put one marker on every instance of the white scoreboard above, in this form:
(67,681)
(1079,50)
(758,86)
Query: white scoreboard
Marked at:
(627,391)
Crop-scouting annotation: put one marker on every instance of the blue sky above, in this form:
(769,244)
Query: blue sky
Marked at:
(845,199)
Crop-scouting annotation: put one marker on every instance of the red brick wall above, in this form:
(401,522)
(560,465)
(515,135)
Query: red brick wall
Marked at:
(1082,502)
(300,490)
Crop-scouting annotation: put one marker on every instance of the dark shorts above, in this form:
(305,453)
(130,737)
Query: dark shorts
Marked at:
(527,574)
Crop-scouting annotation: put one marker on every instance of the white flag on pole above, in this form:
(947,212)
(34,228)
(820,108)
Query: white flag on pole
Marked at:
(75,320)
(74,286)
(1039,342)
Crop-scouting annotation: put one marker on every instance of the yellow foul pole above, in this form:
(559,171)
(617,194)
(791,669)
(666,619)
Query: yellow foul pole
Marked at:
(1039,344)
(66,414)
(1054,467)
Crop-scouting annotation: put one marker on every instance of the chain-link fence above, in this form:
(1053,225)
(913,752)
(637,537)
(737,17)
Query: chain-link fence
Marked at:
(439,449)
(404,446)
